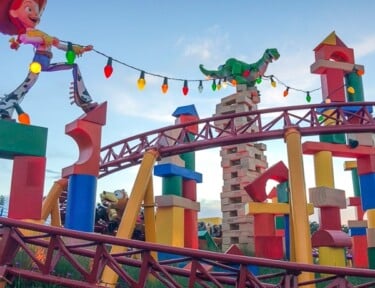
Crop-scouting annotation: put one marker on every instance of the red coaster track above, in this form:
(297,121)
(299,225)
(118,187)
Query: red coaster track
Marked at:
(193,265)
(220,131)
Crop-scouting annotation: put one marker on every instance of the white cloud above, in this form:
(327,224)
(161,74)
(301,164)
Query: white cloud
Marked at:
(365,47)
(208,47)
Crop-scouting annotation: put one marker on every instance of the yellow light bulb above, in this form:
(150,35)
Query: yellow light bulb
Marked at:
(35,67)
(351,90)
(141,84)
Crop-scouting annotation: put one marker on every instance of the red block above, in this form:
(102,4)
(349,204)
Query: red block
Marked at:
(326,51)
(331,238)
(189,189)
(189,118)
(191,229)
(269,247)
(264,225)
(26,193)
(87,133)
(356,202)
(359,251)
(330,218)
(234,250)
(257,189)
(366,164)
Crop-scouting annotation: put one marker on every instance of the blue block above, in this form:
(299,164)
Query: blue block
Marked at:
(169,169)
(80,210)
(185,110)
(357,231)
(367,184)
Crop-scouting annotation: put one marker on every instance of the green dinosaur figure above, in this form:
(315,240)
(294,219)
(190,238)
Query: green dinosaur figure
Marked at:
(242,72)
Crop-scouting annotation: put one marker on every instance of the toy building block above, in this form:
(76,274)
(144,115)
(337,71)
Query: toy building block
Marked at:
(329,218)
(187,114)
(367,193)
(338,150)
(365,139)
(359,251)
(27,186)
(327,197)
(86,131)
(331,238)
(257,189)
(357,223)
(176,201)
(22,140)
(168,170)
(270,247)
(366,164)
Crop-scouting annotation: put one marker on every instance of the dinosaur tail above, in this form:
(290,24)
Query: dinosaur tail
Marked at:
(206,72)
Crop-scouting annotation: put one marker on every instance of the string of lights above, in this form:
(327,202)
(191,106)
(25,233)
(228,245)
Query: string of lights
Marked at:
(141,82)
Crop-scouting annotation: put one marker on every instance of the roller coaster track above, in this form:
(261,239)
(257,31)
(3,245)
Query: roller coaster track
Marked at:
(267,124)
(44,247)
(86,254)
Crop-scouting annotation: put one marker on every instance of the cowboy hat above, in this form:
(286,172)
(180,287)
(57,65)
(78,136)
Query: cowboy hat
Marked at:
(6,25)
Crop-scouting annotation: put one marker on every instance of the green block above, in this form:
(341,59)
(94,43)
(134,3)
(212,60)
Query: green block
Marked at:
(283,192)
(279,221)
(371,257)
(189,159)
(172,186)
(22,140)
(333,138)
(355,81)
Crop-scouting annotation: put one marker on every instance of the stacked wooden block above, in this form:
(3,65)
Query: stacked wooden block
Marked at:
(241,164)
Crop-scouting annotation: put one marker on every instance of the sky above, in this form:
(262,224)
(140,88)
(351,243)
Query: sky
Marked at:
(172,38)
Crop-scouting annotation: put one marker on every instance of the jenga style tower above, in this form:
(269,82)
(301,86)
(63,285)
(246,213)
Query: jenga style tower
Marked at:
(241,165)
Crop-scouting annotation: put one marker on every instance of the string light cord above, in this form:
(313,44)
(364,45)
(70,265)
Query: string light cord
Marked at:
(215,86)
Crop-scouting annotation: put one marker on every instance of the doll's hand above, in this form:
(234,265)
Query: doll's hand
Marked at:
(79,50)
(14,44)
(55,42)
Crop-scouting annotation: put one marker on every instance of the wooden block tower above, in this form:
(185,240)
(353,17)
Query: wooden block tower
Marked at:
(241,164)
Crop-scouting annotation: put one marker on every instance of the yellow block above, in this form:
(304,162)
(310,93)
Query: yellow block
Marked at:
(170,224)
(211,220)
(272,208)
(323,166)
(370,218)
(332,256)
(350,165)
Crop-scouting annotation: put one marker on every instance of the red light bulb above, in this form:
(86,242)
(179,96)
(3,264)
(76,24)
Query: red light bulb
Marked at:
(108,69)
(185,89)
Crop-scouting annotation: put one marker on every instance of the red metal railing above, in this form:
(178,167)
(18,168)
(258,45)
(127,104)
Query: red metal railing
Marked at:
(222,130)
(192,266)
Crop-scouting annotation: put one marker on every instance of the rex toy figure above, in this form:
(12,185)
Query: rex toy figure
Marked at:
(237,71)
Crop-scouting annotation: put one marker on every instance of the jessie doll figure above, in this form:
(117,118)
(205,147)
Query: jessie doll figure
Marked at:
(19,18)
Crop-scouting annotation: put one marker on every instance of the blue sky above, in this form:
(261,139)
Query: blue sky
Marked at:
(172,38)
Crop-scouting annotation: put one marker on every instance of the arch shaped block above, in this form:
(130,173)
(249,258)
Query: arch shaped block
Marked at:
(257,189)
(86,131)
(331,238)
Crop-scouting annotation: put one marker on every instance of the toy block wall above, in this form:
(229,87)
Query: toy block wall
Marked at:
(241,164)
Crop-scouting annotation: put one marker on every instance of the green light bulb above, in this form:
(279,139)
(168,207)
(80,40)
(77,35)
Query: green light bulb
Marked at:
(70,54)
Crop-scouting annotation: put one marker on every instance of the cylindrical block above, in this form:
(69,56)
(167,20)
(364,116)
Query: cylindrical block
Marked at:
(189,189)
(354,80)
(80,210)
(172,185)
